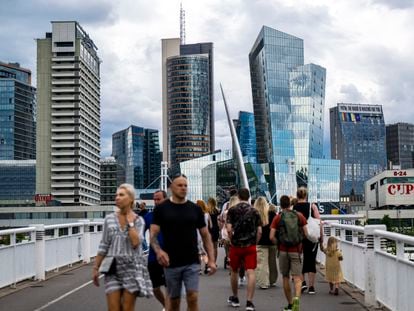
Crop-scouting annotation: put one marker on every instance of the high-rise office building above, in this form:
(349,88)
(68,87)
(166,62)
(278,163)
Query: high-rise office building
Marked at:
(152,159)
(136,151)
(246,134)
(68,115)
(17,182)
(108,181)
(288,104)
(188,111)
(400,144)
(358,141)
(17,113)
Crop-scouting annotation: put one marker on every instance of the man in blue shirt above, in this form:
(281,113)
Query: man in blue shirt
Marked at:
(155,270)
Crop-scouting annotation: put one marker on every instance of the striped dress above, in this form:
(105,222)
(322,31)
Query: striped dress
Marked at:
(131,266)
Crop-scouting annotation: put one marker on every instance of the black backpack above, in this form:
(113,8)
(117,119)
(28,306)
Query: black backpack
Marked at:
(245,228)
(289,232)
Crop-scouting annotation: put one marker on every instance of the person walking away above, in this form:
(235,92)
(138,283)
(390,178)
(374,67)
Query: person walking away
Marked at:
(310,249)
(201,251)
(234,200)
(156,271)
(121,255)
(244,230)
(179,220)
(214,230)
(266,271)
(287,229)
(333,271)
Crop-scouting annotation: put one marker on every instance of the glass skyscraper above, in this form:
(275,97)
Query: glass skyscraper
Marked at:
(246,134)
(288,104)
(17,113)
(358,141)
(17,182)
(400,144)
(188,111)
(136,151)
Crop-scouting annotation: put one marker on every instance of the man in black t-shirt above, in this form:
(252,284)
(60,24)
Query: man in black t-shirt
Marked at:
(178,220)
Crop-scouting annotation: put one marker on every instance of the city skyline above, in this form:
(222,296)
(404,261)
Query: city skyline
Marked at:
(360,53)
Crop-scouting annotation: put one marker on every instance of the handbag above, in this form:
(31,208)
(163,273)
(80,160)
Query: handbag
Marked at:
(108,265)
(314,227)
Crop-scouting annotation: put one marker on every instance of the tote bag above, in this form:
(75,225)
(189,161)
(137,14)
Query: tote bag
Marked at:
(314,227)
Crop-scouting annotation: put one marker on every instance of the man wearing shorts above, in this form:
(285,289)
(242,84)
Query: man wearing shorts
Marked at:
(178,220)
(156,271)
(290,256)
(244,231)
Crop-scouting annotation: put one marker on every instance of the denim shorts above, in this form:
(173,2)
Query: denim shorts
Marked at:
(175,277)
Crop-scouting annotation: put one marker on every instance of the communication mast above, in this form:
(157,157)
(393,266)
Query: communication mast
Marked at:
(182,25)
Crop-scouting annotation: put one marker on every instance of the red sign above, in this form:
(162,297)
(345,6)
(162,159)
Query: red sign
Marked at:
(43,198)
(401,189)
(400,173)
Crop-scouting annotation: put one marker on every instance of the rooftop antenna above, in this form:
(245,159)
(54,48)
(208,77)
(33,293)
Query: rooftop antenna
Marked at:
(182,24)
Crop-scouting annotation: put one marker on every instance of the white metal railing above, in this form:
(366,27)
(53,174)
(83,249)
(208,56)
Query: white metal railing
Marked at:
(30,252)
(375,261)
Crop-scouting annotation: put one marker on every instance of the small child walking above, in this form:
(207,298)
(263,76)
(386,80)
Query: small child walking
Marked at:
(333,271)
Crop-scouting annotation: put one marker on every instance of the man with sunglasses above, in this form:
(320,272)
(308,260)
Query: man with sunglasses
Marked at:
(178,220)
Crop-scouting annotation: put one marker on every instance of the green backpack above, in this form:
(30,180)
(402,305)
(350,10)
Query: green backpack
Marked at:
(289,232)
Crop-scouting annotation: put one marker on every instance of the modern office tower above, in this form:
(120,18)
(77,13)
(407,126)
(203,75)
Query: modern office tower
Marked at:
(17,182)
(68,116)
(188,112)
(400,144)
(17,113)
(246,134)
(358,141)
(108,181)
(152,159)
(135,149)
(288,104)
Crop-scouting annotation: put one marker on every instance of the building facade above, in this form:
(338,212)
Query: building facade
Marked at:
(246,134)
(17,113)
(390,189)
(108,181)
(68,116)
(17,182)
(358,141)
(136,151)
(288,104)
(188,111)
(400,144)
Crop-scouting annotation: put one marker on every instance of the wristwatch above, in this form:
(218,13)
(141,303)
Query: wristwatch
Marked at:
(131,225)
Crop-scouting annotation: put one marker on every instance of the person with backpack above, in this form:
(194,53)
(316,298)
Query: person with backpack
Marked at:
(244,230)
(287,229)
(310,249)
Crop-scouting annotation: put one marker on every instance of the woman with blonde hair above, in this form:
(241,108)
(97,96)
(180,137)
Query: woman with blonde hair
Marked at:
(266,271)
(214,230)
(234,200)
(201,251)
(120,256)
(310,249)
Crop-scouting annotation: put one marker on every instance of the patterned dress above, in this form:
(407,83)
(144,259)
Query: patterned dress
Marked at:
(131,265)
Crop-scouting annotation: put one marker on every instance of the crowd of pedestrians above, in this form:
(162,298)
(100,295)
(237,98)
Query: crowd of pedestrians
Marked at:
(260,243)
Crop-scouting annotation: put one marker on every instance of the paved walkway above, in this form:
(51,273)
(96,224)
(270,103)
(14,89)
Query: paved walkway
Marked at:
(71,291)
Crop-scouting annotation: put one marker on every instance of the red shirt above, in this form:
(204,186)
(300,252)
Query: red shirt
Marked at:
(284,248)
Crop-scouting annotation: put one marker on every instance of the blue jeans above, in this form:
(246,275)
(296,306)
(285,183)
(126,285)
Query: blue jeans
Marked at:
(175,277)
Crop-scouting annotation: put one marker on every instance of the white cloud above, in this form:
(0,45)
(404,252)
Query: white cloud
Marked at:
(365,46)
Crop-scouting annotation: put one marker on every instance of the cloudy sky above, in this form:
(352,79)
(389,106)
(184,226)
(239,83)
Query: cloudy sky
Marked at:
(367,47)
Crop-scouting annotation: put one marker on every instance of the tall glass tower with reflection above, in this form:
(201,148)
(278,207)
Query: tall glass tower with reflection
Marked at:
(188,106)
(17,113)
(246,134)
(288,103)
(358,140)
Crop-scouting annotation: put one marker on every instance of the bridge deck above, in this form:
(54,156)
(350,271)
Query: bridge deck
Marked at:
(63,292)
